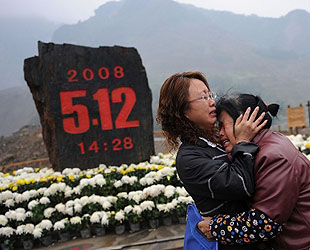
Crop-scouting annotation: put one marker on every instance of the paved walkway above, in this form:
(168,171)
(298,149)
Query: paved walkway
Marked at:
(164,237)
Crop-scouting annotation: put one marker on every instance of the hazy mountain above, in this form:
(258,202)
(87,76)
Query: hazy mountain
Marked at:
(18,41)
(17,109)
(265,56)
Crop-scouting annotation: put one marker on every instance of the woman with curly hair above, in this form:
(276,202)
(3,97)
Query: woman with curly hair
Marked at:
(218,185)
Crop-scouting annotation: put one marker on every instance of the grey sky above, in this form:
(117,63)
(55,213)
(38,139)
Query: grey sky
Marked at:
(71,11)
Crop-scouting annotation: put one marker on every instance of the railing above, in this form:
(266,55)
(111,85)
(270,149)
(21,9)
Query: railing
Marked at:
(40,163)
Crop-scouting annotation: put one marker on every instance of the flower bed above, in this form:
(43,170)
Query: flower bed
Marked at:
(38,207)
(42,206)
(302,143)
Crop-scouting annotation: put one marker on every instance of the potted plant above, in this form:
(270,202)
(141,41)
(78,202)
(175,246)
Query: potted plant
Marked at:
(151,213)
(63,229)
(7,238)
(26,235)
(46,235)
(118,221)
(134,215)
(165,211)
(85,230)
(99,221)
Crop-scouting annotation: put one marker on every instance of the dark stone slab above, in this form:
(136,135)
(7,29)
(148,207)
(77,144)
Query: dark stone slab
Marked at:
(94,104)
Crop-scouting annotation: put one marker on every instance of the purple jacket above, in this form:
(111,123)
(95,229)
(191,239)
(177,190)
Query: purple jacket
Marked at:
(282,177)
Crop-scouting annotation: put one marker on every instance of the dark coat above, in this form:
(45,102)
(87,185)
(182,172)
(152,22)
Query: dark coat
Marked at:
(282,176)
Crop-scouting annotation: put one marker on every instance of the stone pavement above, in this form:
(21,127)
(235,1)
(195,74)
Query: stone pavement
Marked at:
(164,237)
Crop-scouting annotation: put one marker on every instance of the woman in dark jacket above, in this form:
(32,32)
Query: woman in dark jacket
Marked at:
(187,113)
(282,177)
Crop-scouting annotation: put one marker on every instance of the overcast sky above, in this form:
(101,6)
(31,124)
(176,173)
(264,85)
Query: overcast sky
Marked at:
(71,11)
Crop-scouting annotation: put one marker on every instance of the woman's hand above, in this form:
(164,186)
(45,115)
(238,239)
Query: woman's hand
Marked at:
(204,226)
(246,128)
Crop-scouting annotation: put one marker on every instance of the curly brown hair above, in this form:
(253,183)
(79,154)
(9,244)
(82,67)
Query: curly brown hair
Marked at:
(173,102)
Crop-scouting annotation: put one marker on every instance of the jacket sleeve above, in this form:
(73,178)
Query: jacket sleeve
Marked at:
(215,177)
(277,187)
(248,227)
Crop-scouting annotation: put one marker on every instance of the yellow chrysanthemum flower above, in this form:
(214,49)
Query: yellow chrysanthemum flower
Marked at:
(20,182)
(42,179)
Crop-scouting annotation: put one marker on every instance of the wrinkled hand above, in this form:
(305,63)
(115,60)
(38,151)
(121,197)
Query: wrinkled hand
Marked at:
(204,226)
(246,128)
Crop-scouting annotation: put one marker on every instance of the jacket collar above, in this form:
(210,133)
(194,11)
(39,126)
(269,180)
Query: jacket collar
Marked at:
(261,134)
(202,142)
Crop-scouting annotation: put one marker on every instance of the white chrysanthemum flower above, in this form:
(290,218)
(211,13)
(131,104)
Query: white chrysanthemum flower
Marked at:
(162,208)
(61,186)
(122,195)
(181,191)
(170,206)
(147,205)
(186,200)
(133,179)
(107,171)
(120,216)
(84,182)
(26,196)
(44,200)
(9,203)
(68,192)
(100,181)
(125,179)
(92,182)
(28,229)
(46,224)
(76,220)
(77,190)
(142,181)
(95,217)
(105,219)
(37,232)
(175,202)
(33,193)
(112,199)
(48,212)
(70,203)
(84,200)
(61,208)
(3,220)
(154,159)
(20,230)
(128,209)
(20,216)
(40,191)
(29,214)
(20,210)
(169,191)
(6,195)
(137,209)
(69,211)
(59,225)
(32,204)
(137,196)
(78,207)
(11,215)
(118,184)
(149,180)
(106,205)
(19,198)
(7,231)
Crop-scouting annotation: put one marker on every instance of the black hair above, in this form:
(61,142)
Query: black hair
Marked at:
(235,105)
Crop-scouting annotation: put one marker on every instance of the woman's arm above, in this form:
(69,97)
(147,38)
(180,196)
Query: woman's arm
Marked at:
(247,227)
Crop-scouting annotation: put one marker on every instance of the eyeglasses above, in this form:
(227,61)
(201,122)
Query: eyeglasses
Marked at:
(206,97)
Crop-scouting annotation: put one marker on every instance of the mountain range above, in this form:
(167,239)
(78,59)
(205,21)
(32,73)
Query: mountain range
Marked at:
(269,57)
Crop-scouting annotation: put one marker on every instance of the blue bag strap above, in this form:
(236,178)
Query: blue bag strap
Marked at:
(193,217)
